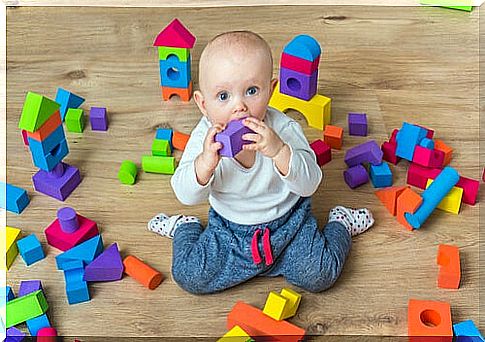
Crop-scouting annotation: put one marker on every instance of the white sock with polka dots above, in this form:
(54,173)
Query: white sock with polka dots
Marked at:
(166,226)
(356,221)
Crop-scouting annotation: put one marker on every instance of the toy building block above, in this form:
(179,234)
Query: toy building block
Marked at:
(258,325)
(161,148)
(16,199)
(52,158)
(67,100)
(428,158)
(408,137)
(165,134)
(432,196)
(26,307)
(59,183)
(356,176)
(14,335)
(108,266)
(182,54)
(388,197)
(37,323)
(29,286)
(466,331)
(180,140)
(47,334)
(449,261)
(317,111)
(427,143)
(71,265)
(77,289)
(299,64)
(357,124)
(47,128)
(141,272)
(175,34)
(368,152)
(294,299)
(470,189)
(75,120)
(128,172)
(380,175)
(184,93)
(392,139)
(157,164)
(297,84)
(389,152)
(304,47)
(24,137)
(275,306)
(11,236)
(407,202)
(429,321)
(467,4)
(333,136)
(48,144)
(98,118)
(448,151)
(236,334)
(173,73)
(322,151)
(36,111)
(86,252)
(68,220)
(231,138)
(452,201)
(58,238)
(9,295)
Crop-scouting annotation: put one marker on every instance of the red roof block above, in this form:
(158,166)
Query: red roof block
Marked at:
(175,35)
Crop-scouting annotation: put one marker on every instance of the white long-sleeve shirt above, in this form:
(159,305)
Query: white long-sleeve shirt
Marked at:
(250,195)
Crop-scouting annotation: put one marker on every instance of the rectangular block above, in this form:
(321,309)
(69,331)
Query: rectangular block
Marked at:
(13,198)
(59,188)
(452,201)
(37,323)
(407,139)
(449,274)
(47,128)
(301,65)
(57,238)
(368,152)
(24,308)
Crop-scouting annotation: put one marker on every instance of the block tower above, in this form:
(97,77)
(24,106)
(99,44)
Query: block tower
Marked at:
(41,119)
(174,43)
(297,88)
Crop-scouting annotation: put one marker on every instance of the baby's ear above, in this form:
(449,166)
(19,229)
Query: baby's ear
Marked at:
(274,81)
(199,100)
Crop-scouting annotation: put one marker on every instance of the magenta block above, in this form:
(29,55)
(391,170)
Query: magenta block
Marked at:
(98,118)
(428,157)
(368,152)
(322,151)
(68,219)
(357,124)
(58,187)
(392,139)
(301,65)
(389,152)
(57,238)
(231,138)
(356,176)
(108,266)
(298,85)
(25,137)
(29,286)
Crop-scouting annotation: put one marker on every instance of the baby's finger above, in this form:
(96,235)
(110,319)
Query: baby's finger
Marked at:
(254,124)
(215,146)
(250,147)
(252,137)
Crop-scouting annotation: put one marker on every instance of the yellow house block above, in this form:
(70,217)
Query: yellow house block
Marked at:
(317,110)
(236,334)
(452,201)
(9,246)
(275,306)
(294,299)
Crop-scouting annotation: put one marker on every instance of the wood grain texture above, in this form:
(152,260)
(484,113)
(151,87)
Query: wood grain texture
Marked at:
(414,64)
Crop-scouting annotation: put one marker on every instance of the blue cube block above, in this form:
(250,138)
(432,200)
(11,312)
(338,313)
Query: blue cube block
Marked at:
(380,175)
(407,138)
(13,198)
(175,74)
(30,249)
(466,331)
(37,323)
(165,134)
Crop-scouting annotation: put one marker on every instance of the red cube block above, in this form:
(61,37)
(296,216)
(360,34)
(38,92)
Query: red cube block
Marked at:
(322,150)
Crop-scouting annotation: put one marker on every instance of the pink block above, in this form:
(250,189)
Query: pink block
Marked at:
(470,189)
(57,238)
(389,152)
(299,64)
(430,158)
(392,139)
(47,334)
(322,150)
(25,137)
(175,35)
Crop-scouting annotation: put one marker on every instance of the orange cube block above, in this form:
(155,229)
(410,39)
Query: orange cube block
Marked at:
(407,202)
(333,136)
(429,321)
(180,140)
(184,93)
(440,145)
(450,273)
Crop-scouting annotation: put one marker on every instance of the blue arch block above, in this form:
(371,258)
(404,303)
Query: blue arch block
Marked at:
(303,46)
(174,73)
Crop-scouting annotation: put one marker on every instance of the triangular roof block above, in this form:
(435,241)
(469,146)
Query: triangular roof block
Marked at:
(37,110)
(67,100)
(107,266)
(86,251)
(388,197)
(175,35)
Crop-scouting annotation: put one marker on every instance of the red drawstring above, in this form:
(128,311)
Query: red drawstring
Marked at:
(266,247)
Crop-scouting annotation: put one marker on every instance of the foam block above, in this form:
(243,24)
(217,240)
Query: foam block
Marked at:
(368,152)
(356,176)
(98,118)
(47,334)
(448,151)
(74,120)
(388,197)
(182,54)
(236,334)
(67,100)
(275,306)
(161,148)
(29,286)
(141,272)
(449,261)
(47,145)
(49,161)
(108,266)
(11,236)
(14,335)
(333,136)
(357,124)
(231,138)
(37,323)
(9,295)
(36,111)
(30,249)
(26,307)
(86,252)
(183,93)
(299,64)
(294,299)
(71,265)
(392,139)
(429,321)
(304,47)
(174,74)
(380,175)
(165,134)
(466,331)
(452,201)
(428,158)
(68,220)
(297,84)
(322,151)
(407,202)
(180,140)
(16,199)
(389,152)
(57,187)
(426,143)
(157,164)
(47,128)
(77,289)
(408,137)
(128,172)
(25,137)
(175,34)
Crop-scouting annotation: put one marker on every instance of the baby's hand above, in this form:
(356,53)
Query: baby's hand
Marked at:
(209,158)
(265,139)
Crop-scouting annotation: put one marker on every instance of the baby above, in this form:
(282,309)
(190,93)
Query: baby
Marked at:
(260,221)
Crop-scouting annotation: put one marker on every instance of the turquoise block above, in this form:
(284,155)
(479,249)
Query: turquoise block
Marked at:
(380,175)
(13,198)
(67,100)
(165,134)
(466,331)
(37,323)
(30,249)
(407,138)
(86,251)
(175,74)
(303,46)
(427,143)
(46,146)
(49,161)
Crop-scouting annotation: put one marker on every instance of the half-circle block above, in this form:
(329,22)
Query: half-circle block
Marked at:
(303,46)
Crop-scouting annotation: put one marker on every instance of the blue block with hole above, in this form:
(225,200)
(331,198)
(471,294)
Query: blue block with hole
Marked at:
(174,73)
(380,175)
(30,249)
(466,331)
(48,161)
(49,143)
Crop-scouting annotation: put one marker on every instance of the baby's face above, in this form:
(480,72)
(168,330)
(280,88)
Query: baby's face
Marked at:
(234,86)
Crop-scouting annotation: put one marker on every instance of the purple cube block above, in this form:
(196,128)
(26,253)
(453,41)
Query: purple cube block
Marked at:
(14,335)
(98,118)
(231,138)
(297,84)
(356,176)
(59,188)
(357,124)
(368,152)
(29,286)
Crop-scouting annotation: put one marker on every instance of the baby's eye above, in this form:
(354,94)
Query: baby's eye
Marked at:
(252,91)
(223,96)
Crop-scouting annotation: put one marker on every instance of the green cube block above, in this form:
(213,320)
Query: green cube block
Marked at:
(36,111)
(75,120)
(127,173)
(161,148)
(464,5)
(26,307)
(181,53)
(158,164)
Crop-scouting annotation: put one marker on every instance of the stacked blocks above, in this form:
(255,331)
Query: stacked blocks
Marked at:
(16,199)
(48,146)
(333,136)
(356,176)
(450,272)
(127,173)
(11,236)
(322,151)
(75,120)
(30,249)
(380,175)
(174,43)
(67,230)
(452,201)
(165,134)
(98,118)
(282,306)
(108,266)
(466,331)
(67,100)
(408,137)
(141,272)
(26,307)
(429,321)
(85,252)
(357,124)
(231,138)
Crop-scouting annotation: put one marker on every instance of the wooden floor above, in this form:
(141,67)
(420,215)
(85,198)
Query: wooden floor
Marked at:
(414,64)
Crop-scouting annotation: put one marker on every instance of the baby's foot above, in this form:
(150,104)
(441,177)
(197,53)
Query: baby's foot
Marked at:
(356,221)
(165,226)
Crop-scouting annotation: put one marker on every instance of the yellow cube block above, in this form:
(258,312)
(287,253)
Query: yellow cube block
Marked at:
(452,201)
(236,334)
(294,299)
(9,246)
(275,306)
